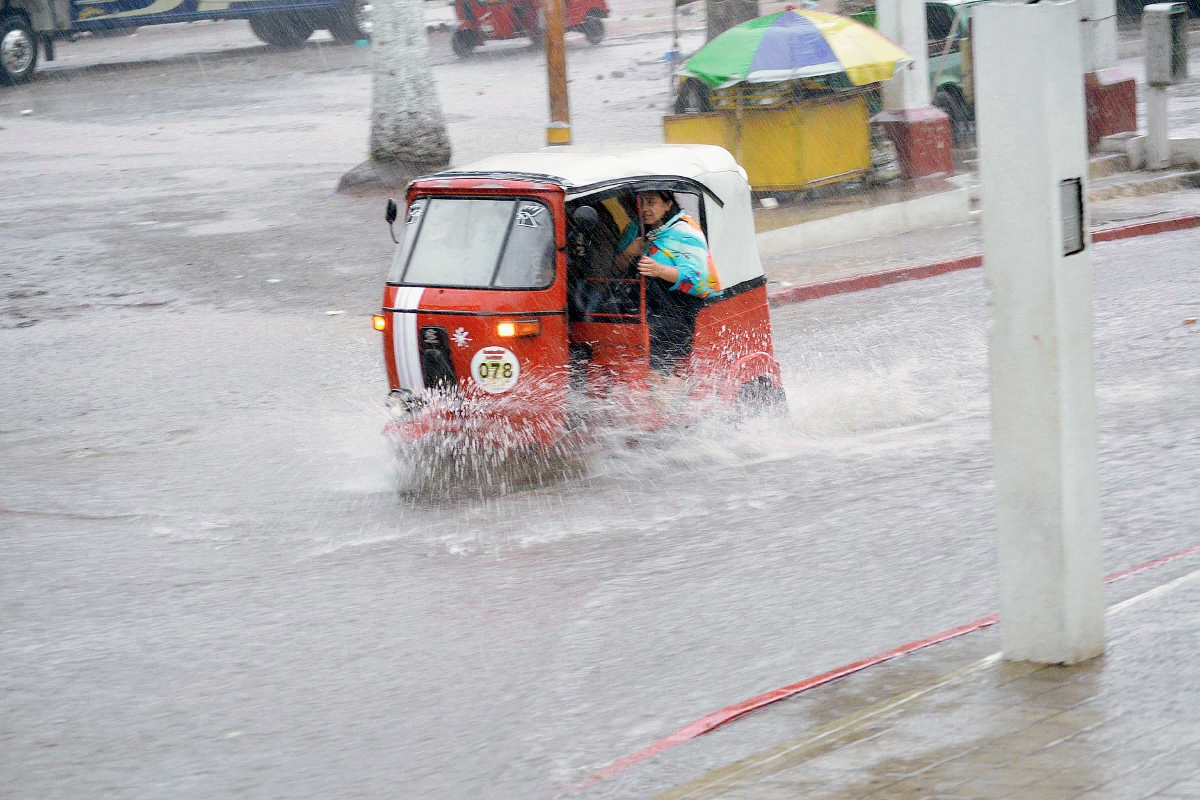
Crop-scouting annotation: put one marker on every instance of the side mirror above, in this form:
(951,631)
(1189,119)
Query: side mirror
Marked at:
(392,211)
(585,219)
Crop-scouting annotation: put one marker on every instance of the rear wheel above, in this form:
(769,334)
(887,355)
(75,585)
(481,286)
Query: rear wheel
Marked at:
(463,43)
(950,100)
(593,27)
(18,50)
(761,397)
(694,98)
(537,38)
(286,31)
(352,22)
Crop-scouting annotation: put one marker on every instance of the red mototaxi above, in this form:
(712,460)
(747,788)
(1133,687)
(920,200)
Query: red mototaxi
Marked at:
(481,20)
(502,307)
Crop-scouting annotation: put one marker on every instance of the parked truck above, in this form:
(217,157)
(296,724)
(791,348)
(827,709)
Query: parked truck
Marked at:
(29,28)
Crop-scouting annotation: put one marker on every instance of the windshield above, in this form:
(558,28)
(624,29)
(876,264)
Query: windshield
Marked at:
(476,243)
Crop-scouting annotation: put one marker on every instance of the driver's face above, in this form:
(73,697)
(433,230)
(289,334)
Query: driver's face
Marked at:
(652,207)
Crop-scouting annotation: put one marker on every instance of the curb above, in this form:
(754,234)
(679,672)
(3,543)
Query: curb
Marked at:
(874,280)
(728,714)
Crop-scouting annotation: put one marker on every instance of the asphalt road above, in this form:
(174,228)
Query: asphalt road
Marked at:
(209,585)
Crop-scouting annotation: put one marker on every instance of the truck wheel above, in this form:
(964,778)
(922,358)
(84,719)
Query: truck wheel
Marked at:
(761,397)
(951,101)
(18,50)
(285,31)
(694,97)
(352,22)
(593,27)
(463,43)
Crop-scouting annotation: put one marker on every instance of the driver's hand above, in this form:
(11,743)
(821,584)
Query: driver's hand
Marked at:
(649,267)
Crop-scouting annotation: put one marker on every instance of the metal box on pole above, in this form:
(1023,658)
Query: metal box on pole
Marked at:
(1165,27)
(1031,122)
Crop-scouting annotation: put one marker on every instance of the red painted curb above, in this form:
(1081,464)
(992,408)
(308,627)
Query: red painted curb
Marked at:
(874,280)
(811,291)
(730,713)
(1147,228)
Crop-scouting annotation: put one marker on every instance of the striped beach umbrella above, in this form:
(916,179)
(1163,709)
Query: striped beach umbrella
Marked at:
(795,44)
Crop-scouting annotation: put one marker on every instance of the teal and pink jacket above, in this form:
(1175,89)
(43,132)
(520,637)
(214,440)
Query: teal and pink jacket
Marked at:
(679,243)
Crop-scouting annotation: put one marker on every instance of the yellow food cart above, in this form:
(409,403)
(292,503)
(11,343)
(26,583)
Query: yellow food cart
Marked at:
(787,137)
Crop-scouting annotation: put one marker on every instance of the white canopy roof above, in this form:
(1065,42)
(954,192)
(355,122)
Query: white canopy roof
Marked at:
(584,166)
(730,227)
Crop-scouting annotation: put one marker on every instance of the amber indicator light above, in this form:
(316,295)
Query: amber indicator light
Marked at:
(522,327)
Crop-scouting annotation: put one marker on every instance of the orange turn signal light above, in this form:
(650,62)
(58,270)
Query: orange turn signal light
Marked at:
(522,327)
(379,321)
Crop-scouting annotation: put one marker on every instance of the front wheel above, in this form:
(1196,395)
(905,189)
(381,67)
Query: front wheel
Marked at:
(463,43)
(18,50)
(593,28)
(285,31)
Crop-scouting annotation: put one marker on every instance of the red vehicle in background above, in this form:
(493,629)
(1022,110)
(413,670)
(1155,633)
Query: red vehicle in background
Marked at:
(481,20)
(505,309)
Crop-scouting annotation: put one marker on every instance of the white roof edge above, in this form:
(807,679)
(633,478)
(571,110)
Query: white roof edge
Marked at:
(584,165)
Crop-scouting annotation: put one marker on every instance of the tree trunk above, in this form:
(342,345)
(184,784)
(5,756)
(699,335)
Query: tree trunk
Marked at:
(408,132)
(724,14)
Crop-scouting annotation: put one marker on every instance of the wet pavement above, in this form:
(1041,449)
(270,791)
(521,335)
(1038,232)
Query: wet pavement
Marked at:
(1124,725)
(210,586)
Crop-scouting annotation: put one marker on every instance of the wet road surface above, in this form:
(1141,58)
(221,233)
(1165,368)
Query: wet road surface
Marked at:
(211,586)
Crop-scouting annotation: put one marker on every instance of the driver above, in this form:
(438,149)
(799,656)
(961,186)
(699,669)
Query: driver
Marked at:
(673,256)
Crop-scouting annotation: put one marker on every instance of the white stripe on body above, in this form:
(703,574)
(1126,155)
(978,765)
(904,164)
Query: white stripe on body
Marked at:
(404,338)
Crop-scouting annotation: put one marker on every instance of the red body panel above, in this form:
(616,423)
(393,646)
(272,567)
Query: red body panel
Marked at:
(727,332)
(506,19)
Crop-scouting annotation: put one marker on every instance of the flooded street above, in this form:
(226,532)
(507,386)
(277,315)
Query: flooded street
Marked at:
(210,587)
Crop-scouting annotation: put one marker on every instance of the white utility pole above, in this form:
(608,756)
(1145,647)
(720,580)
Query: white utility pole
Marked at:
(1098,24)
(903,21)
(920,131)
(1034,180)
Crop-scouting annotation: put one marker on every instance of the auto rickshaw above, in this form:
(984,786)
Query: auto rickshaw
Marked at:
(504,305)
(481,20)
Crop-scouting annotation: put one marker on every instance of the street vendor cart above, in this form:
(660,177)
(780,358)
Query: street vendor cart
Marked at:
(790,95)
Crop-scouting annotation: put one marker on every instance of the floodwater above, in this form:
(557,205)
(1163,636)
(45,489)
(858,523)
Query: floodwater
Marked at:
(210,585)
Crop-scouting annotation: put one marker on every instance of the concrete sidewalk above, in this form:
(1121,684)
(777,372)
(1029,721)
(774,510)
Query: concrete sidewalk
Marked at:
(1126,725)
(940,243)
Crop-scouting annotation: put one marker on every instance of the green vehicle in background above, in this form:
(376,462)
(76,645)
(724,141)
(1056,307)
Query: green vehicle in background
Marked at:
(948,27)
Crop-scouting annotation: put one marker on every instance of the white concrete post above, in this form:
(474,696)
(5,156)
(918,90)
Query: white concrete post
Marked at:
(1098,21)
(1034,182)
(903,21)
(1158,131)
(1164,31)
